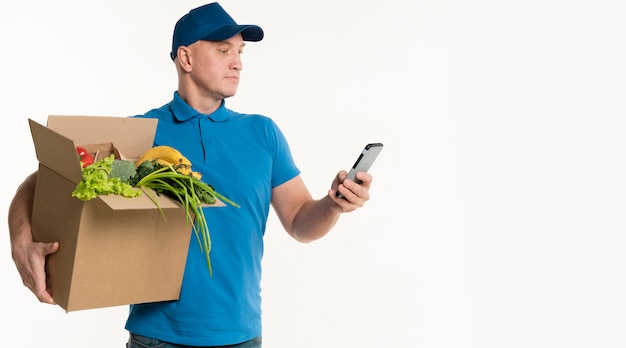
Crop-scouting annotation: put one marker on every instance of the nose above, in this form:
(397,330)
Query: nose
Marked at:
(237,63)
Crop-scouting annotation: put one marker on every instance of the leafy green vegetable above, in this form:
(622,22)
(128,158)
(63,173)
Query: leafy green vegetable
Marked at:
(97,181)
(143,169)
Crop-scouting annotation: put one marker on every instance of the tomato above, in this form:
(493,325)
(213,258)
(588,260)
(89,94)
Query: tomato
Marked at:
(85,157)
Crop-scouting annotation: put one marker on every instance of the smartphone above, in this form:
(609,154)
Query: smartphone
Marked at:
(364,162)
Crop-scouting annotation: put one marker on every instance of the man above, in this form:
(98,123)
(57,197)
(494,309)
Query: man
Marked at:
(247,158)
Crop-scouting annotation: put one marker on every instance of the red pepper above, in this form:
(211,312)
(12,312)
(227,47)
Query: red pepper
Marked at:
(85,157)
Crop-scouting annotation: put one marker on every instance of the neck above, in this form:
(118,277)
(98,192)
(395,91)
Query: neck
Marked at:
(205,104)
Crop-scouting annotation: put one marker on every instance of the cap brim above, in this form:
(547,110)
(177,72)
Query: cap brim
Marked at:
(248,32)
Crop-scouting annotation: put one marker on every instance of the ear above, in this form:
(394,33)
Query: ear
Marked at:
(183,54)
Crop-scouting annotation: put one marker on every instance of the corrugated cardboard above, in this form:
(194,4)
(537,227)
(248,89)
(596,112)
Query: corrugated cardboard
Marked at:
(113,250)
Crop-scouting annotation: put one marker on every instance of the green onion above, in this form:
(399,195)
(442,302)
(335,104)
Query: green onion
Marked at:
(192,194)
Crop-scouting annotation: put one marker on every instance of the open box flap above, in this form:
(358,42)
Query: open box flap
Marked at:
(143,201)
(131,136)
(56,151)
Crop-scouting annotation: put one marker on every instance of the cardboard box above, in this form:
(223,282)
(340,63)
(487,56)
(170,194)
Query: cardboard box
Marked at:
(113,250)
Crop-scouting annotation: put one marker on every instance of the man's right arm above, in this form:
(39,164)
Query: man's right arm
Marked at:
(29,256)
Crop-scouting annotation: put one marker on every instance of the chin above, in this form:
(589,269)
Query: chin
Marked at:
(230,94)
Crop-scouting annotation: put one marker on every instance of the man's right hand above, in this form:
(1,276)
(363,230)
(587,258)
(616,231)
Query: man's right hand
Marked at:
(29,256)
(30,260)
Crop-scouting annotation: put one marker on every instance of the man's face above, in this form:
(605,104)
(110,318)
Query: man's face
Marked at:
(216,66)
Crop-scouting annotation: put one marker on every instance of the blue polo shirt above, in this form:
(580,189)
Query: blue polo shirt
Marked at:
(243,157)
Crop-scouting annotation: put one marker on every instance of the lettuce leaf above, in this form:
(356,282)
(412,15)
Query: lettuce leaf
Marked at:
(97,181)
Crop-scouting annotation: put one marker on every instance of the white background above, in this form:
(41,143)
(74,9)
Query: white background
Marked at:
(497,210)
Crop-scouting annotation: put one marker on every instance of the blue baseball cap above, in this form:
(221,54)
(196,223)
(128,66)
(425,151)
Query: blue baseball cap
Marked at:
(210,22)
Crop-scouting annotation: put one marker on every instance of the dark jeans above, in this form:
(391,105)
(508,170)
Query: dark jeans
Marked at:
(137,341)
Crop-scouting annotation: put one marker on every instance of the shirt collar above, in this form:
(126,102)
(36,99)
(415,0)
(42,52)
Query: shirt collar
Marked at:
(183,111)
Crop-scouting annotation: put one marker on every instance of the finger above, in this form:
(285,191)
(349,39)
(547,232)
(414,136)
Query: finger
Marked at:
(34,278)
(365,178)
(42,288)
(44,296)
(51,248)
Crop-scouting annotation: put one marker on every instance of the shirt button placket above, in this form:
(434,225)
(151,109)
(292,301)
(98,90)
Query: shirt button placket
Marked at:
(206,128)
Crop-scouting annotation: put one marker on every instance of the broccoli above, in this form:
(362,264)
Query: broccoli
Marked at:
(123,169)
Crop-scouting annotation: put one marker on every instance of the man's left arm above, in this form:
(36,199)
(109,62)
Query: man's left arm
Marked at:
(307,219)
